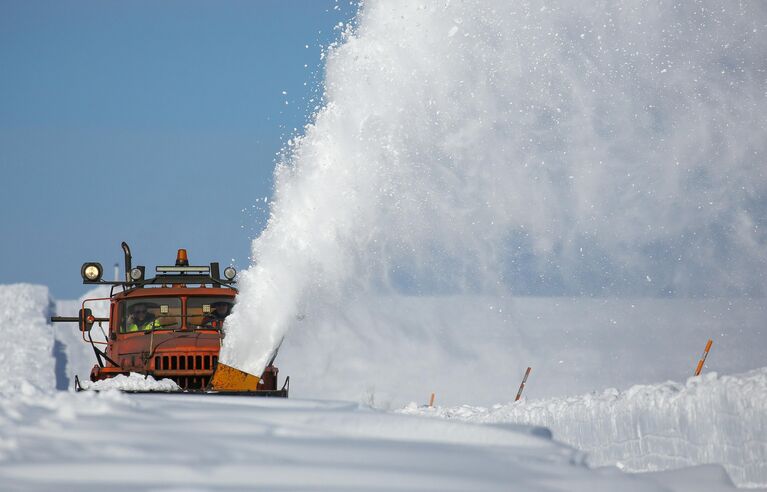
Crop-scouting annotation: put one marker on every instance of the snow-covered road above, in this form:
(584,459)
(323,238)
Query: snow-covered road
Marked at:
(116,441)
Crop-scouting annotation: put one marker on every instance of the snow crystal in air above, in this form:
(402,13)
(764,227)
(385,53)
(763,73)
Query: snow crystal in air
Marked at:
(440,166)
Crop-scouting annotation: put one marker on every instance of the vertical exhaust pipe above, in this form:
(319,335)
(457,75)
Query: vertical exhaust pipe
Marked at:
(128,257)
(215,273)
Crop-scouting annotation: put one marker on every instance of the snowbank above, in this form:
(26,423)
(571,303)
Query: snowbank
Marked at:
(133,382)
(710,419)
(26,338)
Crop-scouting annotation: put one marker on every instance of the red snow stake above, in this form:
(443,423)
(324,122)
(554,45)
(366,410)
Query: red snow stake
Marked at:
(522,385)
(703,357)
(431,400)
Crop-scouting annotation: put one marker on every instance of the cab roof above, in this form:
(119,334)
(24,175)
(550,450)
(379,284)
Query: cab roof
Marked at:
(176,290)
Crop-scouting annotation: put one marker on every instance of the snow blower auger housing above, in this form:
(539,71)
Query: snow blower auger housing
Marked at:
(169,326)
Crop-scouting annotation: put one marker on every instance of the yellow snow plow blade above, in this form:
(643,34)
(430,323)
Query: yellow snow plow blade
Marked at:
(227,378)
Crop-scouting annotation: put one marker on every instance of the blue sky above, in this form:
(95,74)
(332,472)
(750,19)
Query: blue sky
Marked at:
(156,123)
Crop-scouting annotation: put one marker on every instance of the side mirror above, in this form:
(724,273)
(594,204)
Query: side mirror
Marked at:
(86,319)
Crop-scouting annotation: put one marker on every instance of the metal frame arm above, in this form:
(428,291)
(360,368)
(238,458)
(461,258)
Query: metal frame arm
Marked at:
(73,319)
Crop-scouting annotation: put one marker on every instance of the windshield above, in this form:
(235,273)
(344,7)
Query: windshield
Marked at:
(148,313)
(207,312)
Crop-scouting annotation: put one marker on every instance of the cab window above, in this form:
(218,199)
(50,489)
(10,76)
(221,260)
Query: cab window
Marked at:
(207,312)
(150,313)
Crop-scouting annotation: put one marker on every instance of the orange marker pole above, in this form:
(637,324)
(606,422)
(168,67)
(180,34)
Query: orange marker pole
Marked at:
(703,357)
(522,385)
(431,400)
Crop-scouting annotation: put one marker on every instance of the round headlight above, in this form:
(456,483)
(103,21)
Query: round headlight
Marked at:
(136,274)
(230,273)
(91,272)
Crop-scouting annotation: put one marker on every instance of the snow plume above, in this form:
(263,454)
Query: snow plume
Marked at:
(597,148)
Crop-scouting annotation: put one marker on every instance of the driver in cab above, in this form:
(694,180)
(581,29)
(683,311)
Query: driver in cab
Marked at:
(141,319)
(216,317)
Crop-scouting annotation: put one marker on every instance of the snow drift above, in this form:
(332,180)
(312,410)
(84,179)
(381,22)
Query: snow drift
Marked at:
(494,147)
(710,419)
(26,338)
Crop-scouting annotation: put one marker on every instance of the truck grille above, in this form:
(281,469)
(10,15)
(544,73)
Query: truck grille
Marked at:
(185,362)
(189,371)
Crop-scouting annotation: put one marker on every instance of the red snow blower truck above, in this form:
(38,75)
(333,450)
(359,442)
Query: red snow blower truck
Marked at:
(168,326)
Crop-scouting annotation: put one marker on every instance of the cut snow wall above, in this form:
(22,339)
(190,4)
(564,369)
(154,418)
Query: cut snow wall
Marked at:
(26,338)
(710,419)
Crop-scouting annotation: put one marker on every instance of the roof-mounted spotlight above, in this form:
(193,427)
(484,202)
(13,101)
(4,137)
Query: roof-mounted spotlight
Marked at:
(137,273)
(230,273)
(91,272)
